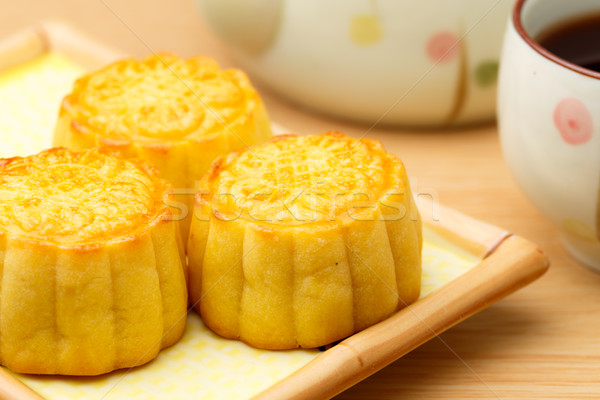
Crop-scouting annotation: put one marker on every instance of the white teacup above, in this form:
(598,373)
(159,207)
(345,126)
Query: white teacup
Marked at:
(549,122)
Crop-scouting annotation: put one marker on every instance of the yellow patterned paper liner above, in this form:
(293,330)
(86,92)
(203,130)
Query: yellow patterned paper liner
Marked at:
(30,97)
(202,364)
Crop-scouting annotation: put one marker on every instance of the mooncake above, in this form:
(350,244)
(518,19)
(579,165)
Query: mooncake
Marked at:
(303,241)
(92,268)
(179,114)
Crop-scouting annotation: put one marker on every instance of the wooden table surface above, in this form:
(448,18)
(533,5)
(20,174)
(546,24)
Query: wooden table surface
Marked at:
(541,342)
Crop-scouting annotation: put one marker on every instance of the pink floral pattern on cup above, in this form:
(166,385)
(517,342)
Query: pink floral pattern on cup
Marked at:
(573,120)
(443,47)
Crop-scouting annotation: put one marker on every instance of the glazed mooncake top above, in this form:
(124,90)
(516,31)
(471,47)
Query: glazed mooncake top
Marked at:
(78,198)
(299,179)
(162,97)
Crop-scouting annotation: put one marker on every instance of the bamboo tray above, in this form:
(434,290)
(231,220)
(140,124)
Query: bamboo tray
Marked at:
(468,265)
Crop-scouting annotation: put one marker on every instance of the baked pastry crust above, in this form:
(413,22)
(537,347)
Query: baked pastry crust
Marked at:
(178,114)
(92,269)
(303,241)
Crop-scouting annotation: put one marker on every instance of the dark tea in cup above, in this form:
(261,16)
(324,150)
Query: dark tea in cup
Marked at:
(575,40)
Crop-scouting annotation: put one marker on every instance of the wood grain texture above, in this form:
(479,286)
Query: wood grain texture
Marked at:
(541,342)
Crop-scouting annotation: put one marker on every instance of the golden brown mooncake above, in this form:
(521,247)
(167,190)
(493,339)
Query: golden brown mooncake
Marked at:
(92,268)
(302,241)
(178,114)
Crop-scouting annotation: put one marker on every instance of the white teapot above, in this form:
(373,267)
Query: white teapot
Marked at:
(402,62)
